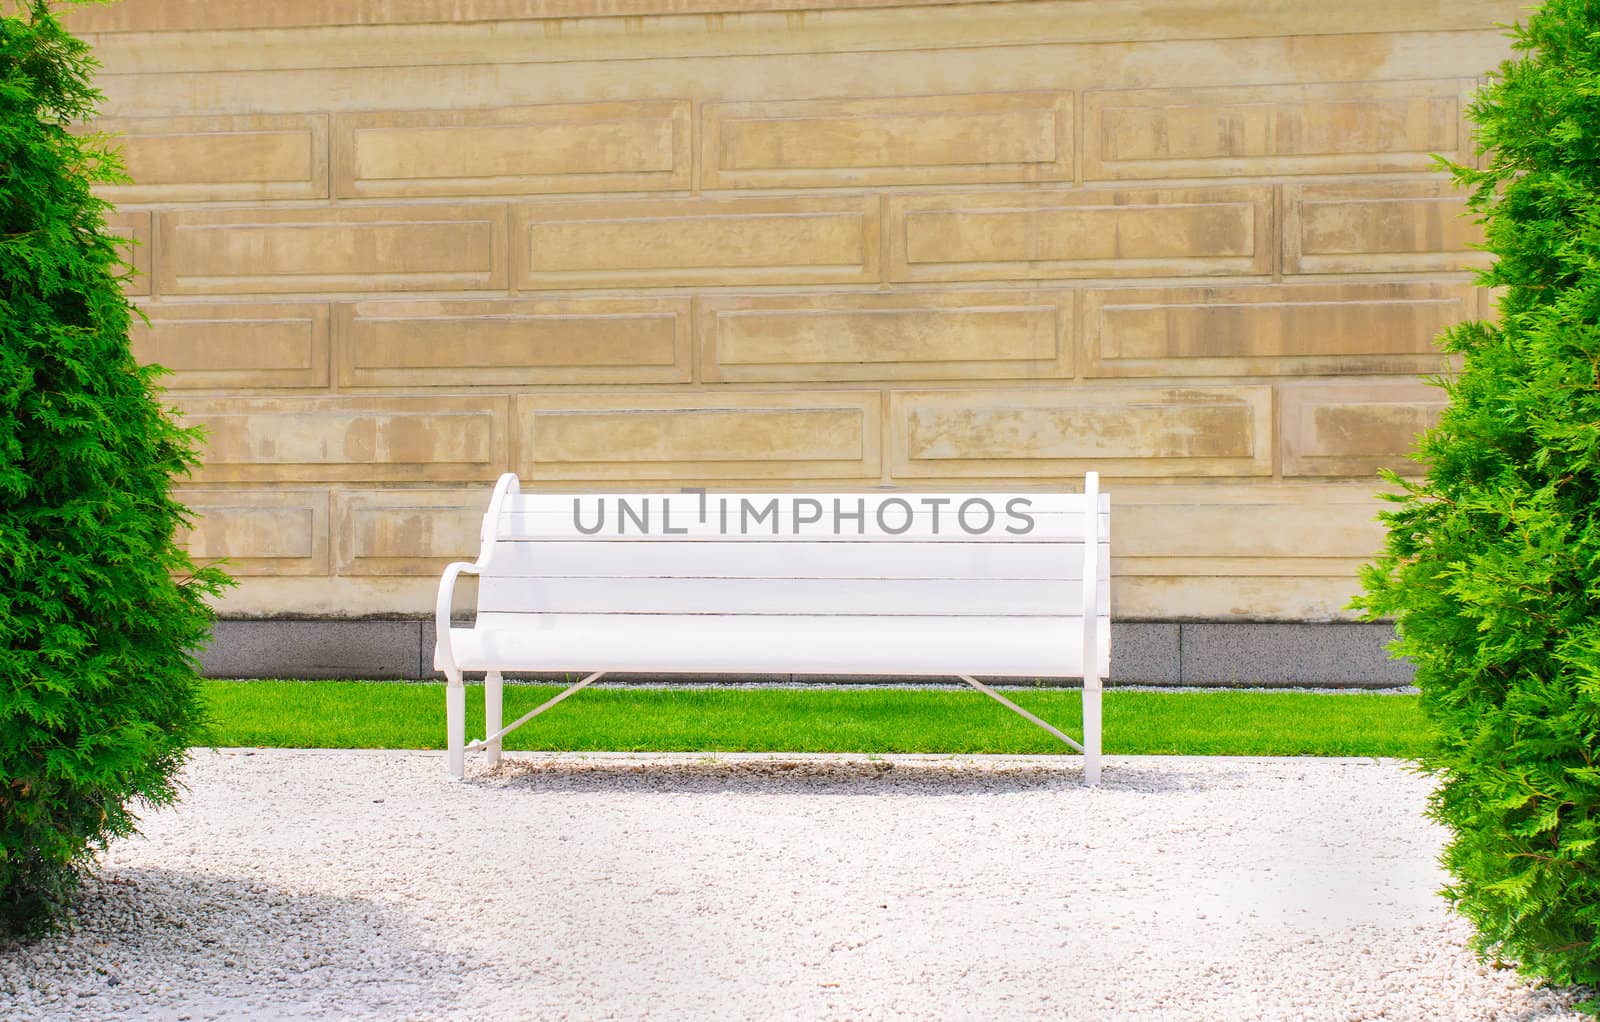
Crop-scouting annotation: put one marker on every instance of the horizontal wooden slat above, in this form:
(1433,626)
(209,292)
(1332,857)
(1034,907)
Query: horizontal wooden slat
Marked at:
(1024,647)
(795,559)
(920,529)
(1041,501)
(765,596)
(946,517)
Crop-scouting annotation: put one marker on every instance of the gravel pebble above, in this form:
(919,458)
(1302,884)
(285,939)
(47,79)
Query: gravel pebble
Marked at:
(356,885)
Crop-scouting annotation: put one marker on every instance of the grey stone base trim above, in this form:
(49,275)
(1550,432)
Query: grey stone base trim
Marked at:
(1216,653)
(318,648)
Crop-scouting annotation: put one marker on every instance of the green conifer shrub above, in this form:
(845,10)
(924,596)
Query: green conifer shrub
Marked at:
(98,607)
(1492,564)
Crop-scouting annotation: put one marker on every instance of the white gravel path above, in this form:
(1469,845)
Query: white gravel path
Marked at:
(368,885)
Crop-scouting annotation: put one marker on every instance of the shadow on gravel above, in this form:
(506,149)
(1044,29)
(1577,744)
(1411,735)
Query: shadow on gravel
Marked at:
(162,944)
(866,777)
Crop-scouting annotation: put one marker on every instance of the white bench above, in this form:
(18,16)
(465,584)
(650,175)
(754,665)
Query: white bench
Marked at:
(894,584)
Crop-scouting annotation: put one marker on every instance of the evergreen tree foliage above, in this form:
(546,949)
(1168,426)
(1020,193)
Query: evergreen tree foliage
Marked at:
(1492,563)
(98,607)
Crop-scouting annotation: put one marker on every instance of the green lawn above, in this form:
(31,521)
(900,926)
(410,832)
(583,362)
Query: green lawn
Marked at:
(379,715)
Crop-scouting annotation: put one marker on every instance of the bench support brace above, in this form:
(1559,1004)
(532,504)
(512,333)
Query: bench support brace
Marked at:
(1091,754)
(492,741)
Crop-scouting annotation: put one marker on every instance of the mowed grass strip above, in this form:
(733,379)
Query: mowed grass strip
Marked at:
(388,715)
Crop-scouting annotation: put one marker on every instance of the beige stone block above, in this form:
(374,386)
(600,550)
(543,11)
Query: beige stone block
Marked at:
(664,242)
(1354,428)
(345,248)
(1275,129)
(518,342)
(134,227)
(406,532)
(335,597)
(901,336)
(1232,598)
(1047,44)
(197,159)
(259,532)
(684,438)
(381,439)
(601,59)
(185,15)
(1271,330)
(994,137)
(1393,226)
(1068,429)
(1251,529)
(585,147)
(1054,234)
(235,345)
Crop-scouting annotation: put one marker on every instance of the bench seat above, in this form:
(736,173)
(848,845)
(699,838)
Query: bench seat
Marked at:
(921,646)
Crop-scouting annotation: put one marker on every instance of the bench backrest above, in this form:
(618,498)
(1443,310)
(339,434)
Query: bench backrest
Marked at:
(854,555)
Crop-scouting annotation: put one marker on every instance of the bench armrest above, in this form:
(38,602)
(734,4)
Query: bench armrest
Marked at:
(444,658)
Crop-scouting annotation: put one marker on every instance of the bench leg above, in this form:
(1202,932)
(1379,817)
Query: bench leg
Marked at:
(1091,731)
(455,712)
(493,702)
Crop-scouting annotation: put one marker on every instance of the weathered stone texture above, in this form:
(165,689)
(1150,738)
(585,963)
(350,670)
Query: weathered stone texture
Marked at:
(1387,226)
(236,345)
(405,532)
(261,531)
(685,437)
(904,336)
(1271,330)
(1045,434)
(1354,429)
(656,243)
(591,147)
(195,159)
(1078,233)
(393,248)
(1276,129)
(918,140)
(346,248)
(398,439)
(418,344)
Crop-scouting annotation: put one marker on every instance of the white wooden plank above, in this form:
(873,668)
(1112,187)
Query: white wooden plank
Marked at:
(685,502)
(1022,647)
(605,519)
(766,596)
(793,559)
